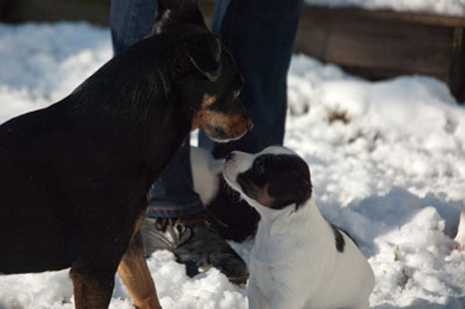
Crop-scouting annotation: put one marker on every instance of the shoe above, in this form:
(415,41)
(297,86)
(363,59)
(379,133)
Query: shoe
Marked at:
(194,243)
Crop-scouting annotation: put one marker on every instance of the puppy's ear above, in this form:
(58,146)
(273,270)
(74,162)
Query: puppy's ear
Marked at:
(293,187)
(205,54)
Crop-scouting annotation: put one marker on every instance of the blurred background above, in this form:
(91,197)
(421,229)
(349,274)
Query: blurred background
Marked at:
(375,44)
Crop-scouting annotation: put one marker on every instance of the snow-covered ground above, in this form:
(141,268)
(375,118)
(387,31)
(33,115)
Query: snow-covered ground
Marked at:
(435,7)
(387,162)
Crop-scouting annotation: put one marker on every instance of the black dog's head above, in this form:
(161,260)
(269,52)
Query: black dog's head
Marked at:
(210,85)
(275,177)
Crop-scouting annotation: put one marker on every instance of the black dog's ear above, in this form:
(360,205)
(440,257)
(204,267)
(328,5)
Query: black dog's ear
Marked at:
(171,12)
(168,7)
(205,53)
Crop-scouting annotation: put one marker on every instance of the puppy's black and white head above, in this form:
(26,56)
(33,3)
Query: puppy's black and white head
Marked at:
(274,178)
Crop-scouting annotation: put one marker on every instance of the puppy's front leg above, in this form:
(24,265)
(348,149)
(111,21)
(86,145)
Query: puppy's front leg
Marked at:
(283,301)
(135,275)
(255,296)
(363,305)
(287,292)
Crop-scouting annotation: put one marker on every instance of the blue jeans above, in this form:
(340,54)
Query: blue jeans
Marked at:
(260,35)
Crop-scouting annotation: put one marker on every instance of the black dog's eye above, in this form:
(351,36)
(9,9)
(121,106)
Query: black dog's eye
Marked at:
(237,85)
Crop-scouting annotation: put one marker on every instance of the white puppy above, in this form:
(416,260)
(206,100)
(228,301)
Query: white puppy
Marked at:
(299,260)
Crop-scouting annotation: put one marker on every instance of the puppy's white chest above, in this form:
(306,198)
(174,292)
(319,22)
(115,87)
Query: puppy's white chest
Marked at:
(266,262)
(262,274)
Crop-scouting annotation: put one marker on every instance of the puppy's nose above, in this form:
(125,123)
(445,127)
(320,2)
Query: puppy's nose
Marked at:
(249,124)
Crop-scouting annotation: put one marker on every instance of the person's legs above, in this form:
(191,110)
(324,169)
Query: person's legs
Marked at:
(130,21)
(260,35)
(175,219)
(173,195)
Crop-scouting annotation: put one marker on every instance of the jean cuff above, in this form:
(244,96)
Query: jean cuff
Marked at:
(174,211)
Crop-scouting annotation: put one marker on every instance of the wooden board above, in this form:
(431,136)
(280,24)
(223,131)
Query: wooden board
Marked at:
(380,45)
(94,11)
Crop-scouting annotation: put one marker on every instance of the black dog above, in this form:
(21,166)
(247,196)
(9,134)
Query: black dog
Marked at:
(74,176)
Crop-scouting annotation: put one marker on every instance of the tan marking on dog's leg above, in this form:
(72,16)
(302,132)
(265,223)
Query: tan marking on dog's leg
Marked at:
(135,274)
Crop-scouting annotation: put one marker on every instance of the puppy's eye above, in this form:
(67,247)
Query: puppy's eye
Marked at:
(237,93)
(259,167)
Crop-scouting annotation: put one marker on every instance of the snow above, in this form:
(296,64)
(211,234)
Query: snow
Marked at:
(435,7)
(387,161)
